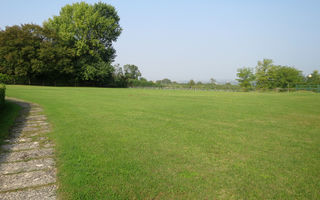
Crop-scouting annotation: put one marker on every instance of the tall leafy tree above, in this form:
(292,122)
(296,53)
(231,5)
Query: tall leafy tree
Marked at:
(191,83)
(314,78)
(19,51)
(263,79)
(164,81)
(213,81)
(120,80)
(9,50)
(131,71)
(90,31)
(56,59)
(284,76)
(246,77)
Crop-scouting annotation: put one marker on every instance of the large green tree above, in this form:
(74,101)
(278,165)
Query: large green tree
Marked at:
(56,59)
(19,51)
(263,80)
(314,78)
(270,76)
(120,80)
(90,31)
(246,77)
(191,83)
(131,71)
(29,53)
(284,76)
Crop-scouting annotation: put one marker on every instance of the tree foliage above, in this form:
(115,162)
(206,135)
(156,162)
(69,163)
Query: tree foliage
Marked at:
(76,47)
(263,78)
(246,77)
(19,51)
(90,31)
(284,76)
(191,83)
(164,81)
(213,81)
(269,76)
(313,78)
(131,71)
(73,47)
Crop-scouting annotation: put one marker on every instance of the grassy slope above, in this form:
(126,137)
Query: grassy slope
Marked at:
(144,144)
(7,116)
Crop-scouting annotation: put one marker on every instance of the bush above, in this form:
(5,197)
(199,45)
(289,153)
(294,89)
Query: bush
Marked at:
(141,83)
(2,94)
(4,78)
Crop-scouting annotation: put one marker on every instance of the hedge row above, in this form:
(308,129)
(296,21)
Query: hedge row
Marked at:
(2,94)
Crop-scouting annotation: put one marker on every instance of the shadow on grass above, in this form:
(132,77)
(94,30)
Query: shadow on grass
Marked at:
(8,113)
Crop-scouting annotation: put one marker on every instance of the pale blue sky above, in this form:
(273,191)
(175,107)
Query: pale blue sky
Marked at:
(187,39)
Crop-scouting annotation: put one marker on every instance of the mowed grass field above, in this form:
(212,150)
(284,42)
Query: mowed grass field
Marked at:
(173,144)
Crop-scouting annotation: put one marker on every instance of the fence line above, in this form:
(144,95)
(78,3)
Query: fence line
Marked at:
(314,88)
(317,89)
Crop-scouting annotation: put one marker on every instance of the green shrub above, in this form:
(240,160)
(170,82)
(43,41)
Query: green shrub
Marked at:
(4,78)
(2,94)
(141,83)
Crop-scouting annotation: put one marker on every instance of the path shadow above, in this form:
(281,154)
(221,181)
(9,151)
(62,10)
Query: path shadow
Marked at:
(16,128)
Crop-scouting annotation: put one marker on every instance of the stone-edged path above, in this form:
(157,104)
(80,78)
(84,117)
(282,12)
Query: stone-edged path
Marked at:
(27,165)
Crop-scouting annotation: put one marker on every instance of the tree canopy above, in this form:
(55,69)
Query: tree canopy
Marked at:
(74,47)
(269,76)
(314,78)
(19,51)
(246,77)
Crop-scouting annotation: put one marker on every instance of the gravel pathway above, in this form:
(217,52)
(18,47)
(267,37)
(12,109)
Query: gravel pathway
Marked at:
(27,165)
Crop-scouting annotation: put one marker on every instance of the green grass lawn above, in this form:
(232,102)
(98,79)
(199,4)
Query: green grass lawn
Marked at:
(156,144)
(8,114)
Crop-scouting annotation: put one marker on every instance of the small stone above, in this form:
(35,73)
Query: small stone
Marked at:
(22,180)
(48,145)
(19,140)
(42,193)
(20,146)
(16,167)
(43,138)
(25,155)
(29,129)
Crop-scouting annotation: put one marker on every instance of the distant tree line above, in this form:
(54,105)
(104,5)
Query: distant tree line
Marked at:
(211,85)
(74,48)
(266,75)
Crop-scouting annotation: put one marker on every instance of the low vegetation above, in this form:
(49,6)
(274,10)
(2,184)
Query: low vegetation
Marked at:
(2,95)
(266,75)
(165,144)
(8,113)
